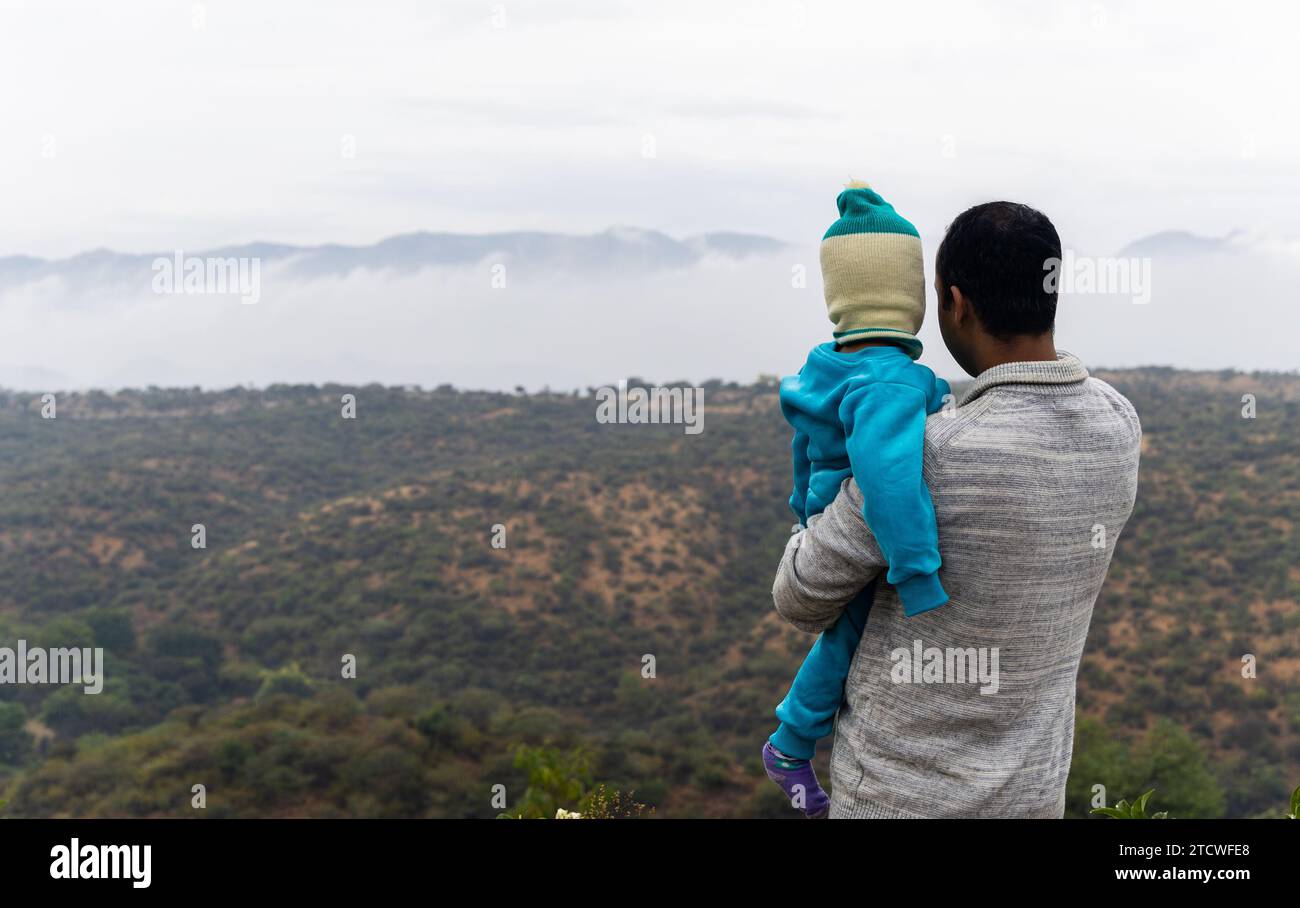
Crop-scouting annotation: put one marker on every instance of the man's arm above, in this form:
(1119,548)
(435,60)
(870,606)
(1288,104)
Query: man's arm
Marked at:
(827,564)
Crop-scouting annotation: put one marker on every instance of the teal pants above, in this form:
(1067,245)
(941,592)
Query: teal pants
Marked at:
(807,713)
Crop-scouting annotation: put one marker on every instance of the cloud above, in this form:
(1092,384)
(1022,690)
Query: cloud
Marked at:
(766,108)
(718,316)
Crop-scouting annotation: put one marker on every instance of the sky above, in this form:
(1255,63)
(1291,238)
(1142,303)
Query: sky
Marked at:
(151,126)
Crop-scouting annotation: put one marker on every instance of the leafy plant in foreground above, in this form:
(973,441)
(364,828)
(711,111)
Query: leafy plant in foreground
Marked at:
(1135,811)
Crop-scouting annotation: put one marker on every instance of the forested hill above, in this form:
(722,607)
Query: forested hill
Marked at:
(479,666)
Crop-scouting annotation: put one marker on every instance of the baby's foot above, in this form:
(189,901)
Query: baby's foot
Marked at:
(798,780)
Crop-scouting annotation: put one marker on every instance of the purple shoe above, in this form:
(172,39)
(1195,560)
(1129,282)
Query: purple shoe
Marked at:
(799,782)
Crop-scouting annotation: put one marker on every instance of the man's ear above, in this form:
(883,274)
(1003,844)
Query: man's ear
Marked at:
(960,305)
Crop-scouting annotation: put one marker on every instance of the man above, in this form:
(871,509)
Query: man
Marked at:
(968,710)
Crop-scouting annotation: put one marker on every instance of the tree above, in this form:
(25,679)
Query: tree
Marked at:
(555,781)
(1166,757)
(15,741)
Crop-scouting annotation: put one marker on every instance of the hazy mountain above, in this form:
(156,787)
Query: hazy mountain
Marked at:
(1180,243)
(616,248)
(573,311)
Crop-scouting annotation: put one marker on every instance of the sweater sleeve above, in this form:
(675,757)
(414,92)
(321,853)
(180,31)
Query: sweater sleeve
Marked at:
(885,427)
(827,564)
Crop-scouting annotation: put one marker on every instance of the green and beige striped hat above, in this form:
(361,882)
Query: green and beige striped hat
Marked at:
(872,272)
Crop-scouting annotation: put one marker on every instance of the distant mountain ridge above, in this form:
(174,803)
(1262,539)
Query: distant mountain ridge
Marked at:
(616,247)
(1178,243)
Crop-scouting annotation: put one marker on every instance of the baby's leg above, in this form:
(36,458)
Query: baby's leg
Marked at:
(808,711)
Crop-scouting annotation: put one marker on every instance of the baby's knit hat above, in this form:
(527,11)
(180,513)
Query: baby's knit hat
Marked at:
(872,272)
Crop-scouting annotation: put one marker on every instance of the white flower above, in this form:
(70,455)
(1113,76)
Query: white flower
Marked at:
(563,814)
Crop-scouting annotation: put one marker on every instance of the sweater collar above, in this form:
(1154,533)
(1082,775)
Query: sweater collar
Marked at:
(1067,369)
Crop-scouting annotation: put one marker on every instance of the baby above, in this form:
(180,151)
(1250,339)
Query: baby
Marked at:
(858,408)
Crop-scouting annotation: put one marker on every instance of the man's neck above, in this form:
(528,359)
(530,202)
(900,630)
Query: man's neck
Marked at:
(1025,348)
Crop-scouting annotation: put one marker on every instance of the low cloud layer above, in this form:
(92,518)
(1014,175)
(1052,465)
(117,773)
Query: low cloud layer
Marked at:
(498,323)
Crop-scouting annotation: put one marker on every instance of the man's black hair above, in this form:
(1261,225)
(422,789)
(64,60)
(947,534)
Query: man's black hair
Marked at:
(999,255)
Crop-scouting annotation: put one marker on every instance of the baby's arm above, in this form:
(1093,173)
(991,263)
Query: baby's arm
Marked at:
(939,395)
(802,473)
(884,423)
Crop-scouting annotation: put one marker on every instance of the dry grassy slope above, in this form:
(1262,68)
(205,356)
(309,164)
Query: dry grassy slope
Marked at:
(650,558)
(658,534)
(665,545)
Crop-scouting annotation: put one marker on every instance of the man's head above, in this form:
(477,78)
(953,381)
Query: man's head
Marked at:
(990,277)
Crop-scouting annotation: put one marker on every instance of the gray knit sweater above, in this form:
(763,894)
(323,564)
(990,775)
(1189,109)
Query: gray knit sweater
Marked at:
(968,710)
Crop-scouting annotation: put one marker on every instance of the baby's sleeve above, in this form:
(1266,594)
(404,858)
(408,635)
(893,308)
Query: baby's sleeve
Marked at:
(940,395)
(802,474)
(884,424)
